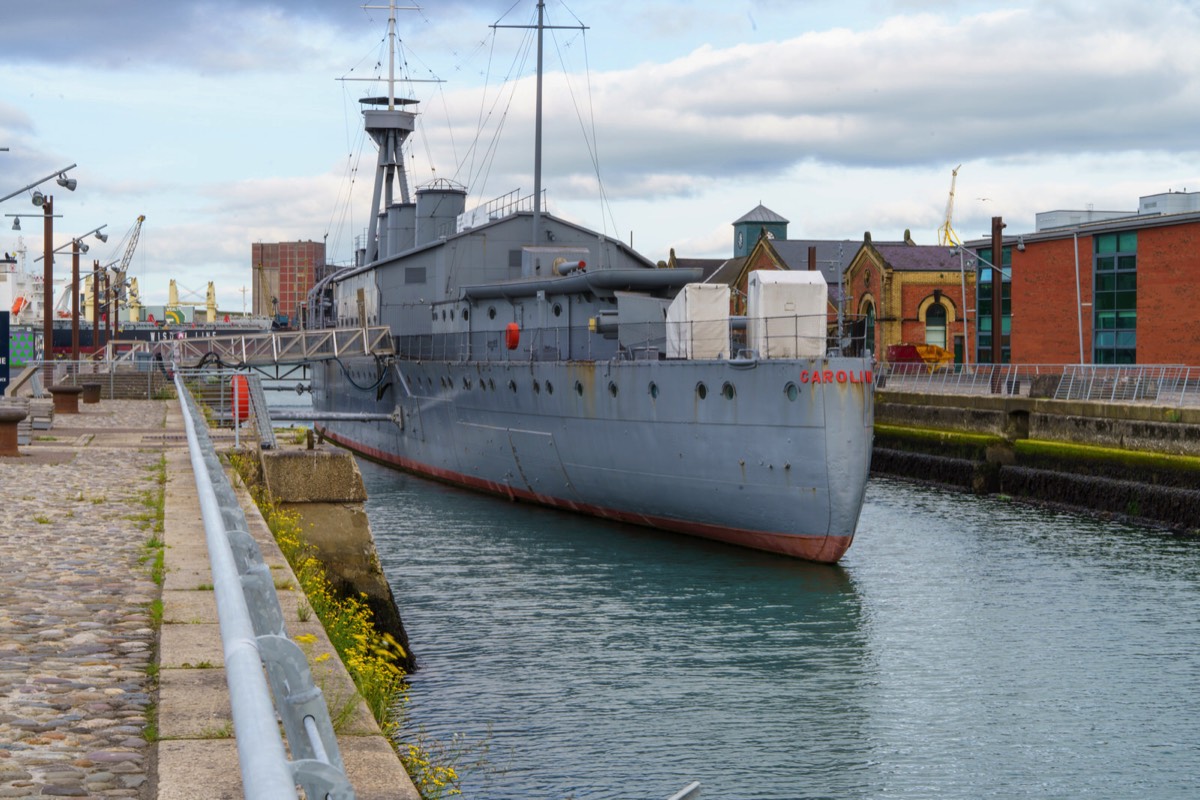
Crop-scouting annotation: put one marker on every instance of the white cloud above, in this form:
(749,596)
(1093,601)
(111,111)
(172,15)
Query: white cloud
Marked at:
(224,124)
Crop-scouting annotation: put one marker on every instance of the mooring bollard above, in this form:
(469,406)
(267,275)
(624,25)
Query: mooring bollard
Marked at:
(10,418)
(66,398)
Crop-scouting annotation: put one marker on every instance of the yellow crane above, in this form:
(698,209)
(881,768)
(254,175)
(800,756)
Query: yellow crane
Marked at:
(946,234)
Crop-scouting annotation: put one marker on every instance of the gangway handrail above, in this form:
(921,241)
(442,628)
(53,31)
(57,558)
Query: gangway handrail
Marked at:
(253,637)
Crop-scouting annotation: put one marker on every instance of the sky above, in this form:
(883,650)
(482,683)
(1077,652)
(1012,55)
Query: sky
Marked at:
(230,122)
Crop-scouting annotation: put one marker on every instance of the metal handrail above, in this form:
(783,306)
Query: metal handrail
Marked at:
(1173,385)
(253,638)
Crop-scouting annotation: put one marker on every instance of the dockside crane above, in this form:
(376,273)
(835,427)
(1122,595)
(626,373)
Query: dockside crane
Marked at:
(123,269)
(946,234)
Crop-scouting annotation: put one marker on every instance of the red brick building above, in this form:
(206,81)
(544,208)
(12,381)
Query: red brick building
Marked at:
(912,294)
(1121,290)
(283,273)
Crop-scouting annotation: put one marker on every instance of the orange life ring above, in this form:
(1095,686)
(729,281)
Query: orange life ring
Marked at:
(512,336)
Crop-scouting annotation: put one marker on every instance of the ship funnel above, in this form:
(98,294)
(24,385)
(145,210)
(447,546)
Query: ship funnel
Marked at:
(439,204)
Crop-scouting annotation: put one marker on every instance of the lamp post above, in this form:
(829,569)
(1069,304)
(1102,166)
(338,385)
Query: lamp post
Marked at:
(48,286)
(47,204)
(77,246)
(60,175)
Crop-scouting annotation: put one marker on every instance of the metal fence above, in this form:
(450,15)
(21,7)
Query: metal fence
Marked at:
(254,638)
(1153,384)
(143,379)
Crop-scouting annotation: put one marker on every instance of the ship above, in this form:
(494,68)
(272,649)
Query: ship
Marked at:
(540,361)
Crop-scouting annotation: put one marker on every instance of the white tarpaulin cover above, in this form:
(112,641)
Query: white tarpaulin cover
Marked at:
(786,313)
(698,322)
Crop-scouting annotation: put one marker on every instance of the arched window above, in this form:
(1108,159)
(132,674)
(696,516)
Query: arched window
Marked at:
(935,325)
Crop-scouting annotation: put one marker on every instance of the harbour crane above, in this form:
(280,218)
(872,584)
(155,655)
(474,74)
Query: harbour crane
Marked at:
(946,234)
(121,271)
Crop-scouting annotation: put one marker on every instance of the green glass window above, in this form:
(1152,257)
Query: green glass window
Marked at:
(1114,302)
(984,304)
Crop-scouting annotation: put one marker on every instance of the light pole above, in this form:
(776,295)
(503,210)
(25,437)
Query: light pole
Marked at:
(48,285)
(47,204)
(63,181)
(77,246)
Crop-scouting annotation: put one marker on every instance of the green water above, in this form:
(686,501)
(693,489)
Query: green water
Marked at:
(964,648)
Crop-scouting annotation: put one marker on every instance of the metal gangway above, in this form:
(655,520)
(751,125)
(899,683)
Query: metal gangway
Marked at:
(254,640)
(262,349)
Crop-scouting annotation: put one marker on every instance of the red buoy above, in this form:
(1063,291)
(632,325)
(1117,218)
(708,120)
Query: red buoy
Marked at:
(512,336)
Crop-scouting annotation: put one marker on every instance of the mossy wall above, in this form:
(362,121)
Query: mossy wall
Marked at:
(1136,461)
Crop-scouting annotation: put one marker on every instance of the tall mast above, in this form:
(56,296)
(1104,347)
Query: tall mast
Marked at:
(537,122)
(537,135)
(388,126)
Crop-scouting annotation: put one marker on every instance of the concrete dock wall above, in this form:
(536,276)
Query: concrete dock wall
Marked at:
(326,489)
(1136,461)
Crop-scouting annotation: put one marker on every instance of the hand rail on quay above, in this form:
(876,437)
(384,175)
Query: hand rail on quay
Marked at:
(1173,385)
(253,637)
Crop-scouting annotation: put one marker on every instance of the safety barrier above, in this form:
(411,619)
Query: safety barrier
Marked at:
(1152,384)
(253,637)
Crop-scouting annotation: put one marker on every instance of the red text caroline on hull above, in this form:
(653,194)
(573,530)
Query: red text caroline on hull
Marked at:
(831,376)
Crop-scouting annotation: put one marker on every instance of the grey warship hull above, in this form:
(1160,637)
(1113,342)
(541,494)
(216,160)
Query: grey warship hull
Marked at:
(755,458)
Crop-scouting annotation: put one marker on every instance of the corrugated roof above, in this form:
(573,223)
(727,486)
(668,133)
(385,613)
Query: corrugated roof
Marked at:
(760,213)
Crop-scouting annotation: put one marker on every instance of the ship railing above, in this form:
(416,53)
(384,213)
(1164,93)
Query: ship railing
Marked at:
(266,672)
(789,336)
(1154,384)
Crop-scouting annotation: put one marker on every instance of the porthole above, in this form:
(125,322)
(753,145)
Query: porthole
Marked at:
(491,312)
(443,315)
(452,314)
(549,387)
(466,314)
(612,389)
(579,388)
(537,388)
(727,391)
(558,309)
(491,384)
(701,391)
(466,382)
(435,315)
(653,390)
(792,391)
(512,386)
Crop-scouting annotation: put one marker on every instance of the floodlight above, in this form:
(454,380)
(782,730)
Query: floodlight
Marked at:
(67,183)
(16,223)
(38,198)
(83,248)
(103,237)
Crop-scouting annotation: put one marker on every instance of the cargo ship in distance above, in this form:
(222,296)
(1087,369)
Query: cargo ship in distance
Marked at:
(540,361)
